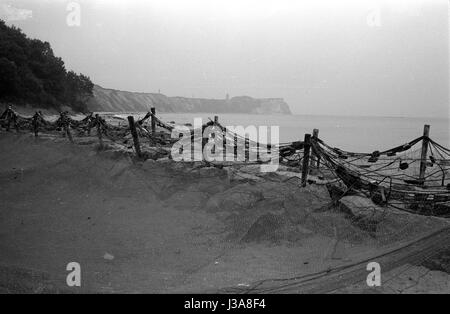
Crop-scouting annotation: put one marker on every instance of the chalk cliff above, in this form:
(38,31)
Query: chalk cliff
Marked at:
(114,101)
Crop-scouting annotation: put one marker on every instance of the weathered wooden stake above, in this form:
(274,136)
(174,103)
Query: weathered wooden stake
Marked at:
(153,121)
(423,156)
(315,159)
(224,144)
(306,151)
(383,194)
(213,139)
(69,135)
(192,145)
(89,128)
(99,134)
(257,151)
(35,126)
(137,146)
(235,147)
(247,149)
(16,125)
(216,122)
(205,140)
(181,150)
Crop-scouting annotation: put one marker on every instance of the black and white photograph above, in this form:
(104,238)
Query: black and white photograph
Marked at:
(221,153)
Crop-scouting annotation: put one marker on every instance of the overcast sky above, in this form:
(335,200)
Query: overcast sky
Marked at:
(360,57)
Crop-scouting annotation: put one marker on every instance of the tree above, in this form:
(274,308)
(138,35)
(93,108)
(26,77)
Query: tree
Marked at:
(8,77)
(31,73)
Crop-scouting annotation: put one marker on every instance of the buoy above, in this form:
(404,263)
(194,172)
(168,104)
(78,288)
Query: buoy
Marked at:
(406,146)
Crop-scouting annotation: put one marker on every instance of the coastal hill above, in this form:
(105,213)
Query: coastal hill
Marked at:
(31,75)
(111,100)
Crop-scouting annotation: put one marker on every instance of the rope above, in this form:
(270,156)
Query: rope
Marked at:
(381,175)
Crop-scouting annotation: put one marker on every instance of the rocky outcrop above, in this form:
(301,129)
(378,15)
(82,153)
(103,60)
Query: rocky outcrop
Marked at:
(110,100)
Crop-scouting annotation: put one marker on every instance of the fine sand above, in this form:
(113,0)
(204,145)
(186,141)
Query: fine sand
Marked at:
(161,228)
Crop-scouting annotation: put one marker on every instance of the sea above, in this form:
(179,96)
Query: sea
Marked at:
(350,133)
(356,134)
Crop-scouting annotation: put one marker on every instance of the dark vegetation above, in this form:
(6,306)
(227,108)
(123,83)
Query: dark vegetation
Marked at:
(31,74)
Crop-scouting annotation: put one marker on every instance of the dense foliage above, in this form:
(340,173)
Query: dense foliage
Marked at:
(31,74)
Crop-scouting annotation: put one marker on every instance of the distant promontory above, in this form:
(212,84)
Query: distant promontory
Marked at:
(111,100)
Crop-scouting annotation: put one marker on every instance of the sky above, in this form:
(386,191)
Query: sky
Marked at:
(347,57)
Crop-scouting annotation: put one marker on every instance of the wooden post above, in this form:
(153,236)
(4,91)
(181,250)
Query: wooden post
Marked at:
(224,144)
(423,156)
(16,125)
(216,122)
(35,124)
(247,149)
(213,139)
(99,130)
(181,150)
(257,151)
(315,159)
(89,127)
(67,129)
(153,122)
(192,145)
(306,151)
(235,148)
(99,134)
(205,140)
(137,146)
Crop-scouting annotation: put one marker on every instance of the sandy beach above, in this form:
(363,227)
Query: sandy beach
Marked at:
(166,227)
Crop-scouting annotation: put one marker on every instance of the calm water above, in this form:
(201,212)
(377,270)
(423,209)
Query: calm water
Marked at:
(350,133)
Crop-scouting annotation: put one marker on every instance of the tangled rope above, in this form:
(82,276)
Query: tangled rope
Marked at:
(391,177)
